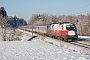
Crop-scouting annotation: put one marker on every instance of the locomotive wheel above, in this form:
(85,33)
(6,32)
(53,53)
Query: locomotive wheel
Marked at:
(69,40)
(65,39)
(62,39)
(58,38)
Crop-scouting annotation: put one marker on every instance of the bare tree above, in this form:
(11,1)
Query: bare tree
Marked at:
(3,20)
(4,23)
(3,28)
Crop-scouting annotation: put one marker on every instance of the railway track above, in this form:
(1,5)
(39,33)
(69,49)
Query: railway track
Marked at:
(82,43)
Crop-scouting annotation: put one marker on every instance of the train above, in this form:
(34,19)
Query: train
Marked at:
(65,31)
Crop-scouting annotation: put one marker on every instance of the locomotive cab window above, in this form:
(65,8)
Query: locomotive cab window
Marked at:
(70,27)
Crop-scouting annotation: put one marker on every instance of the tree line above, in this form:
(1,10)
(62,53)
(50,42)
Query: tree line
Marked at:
(82,21)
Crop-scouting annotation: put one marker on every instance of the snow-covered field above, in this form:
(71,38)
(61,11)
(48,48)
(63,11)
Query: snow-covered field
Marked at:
(39,49)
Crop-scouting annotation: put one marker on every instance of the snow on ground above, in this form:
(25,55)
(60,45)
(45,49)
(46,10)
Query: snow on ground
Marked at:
(38,49)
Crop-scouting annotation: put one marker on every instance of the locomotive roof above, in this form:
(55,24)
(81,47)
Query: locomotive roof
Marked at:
(64,22)
(60,22)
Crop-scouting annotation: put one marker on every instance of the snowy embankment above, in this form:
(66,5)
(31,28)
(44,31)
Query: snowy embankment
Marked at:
(39,49)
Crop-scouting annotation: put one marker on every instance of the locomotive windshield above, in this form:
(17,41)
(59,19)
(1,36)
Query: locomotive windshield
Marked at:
(70,27)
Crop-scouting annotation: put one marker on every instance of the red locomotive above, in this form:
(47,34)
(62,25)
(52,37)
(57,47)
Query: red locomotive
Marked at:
(65,30)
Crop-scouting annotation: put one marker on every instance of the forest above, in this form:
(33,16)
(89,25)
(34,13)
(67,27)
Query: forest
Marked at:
(10,21)
(82,21)
(15,22)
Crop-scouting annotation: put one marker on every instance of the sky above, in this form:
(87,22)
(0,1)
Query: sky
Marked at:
(25,8)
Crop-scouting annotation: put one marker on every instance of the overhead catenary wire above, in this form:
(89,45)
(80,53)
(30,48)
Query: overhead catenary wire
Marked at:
(81,12)
(78,9)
